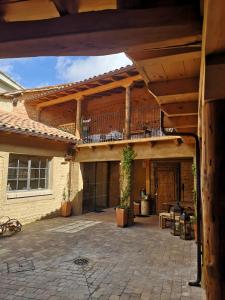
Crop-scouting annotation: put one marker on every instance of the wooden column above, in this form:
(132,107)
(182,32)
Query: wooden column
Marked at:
(127,112)
(213,180)
(78,118)
(148,176)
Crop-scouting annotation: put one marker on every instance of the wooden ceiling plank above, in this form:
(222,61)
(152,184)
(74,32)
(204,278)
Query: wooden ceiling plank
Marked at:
(132,29)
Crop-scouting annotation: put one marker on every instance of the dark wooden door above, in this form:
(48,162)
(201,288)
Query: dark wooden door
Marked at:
(95,192)
(114,184)
(166,185)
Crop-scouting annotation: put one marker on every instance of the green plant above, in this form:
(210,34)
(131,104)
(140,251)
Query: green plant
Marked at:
(125,176)
(64,194)
(194,189)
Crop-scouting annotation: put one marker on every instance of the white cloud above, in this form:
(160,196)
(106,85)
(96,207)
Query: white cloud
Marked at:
(82,68)
(6,66)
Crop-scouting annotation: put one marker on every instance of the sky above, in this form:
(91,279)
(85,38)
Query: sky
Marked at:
(43,71)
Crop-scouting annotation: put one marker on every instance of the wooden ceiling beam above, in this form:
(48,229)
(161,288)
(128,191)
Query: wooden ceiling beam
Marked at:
(92,91)
(172,54)
(102,32)
(162,89)
(180,109)
(181,122)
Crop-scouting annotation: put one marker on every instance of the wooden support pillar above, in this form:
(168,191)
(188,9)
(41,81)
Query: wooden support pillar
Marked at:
(213,180)
(78,118)
(148,176)
(127,112)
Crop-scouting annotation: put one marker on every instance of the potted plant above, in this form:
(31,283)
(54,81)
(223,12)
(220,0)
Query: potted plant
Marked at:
(66,206)
(124,212)
(194,218)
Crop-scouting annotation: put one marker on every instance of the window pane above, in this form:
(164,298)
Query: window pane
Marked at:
(12,173)
(11,185)
(43,163)
(23,162)
(23,173)
(13,161)
(34,184)
(22,184)
(35,163)
(42,184)
(34,173)
(43,173)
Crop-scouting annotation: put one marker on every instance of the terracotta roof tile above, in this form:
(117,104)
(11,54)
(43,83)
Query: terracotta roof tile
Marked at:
(14,123)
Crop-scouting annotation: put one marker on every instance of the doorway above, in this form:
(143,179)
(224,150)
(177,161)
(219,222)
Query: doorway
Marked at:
(167,184)
(101,185)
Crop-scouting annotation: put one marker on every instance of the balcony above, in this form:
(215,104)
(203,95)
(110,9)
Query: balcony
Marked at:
(104,127)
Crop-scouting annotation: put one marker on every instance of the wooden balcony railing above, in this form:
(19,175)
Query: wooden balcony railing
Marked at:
(145,122)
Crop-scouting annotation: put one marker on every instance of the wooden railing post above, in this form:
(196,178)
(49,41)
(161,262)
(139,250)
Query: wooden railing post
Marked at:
(78,118)
(127,112)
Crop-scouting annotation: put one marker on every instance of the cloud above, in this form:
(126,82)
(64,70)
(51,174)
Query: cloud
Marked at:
(77,69)
(8,66)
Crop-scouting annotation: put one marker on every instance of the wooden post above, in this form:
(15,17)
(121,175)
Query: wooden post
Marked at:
(78,119)
(148,176)
(127,113)
(213,178)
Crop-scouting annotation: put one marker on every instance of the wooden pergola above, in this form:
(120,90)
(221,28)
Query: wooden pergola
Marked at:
(178,47)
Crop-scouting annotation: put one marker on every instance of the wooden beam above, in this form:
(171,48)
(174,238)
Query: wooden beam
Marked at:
(162,89)
(107,32)
(162,55)
(181,122)
(214,26)
(92,91)
(180,108)
(166,149)
(214,78)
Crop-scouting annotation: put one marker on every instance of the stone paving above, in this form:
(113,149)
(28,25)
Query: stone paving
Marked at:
(139,262)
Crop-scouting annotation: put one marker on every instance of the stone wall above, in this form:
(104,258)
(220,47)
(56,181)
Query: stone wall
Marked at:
(35,207)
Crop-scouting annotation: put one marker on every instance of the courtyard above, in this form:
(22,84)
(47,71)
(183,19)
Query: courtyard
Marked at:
(88,257)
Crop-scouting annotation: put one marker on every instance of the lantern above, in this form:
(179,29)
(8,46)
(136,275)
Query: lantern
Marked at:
(175,213)
(185,226)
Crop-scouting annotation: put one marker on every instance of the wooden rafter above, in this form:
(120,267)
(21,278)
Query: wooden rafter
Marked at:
(164,89)
(109,31)
(88,92)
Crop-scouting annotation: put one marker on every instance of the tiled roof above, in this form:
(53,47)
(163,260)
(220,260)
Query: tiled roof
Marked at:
(13,123)
(42,91)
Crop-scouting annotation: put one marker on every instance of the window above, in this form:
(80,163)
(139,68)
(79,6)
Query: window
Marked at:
(27,173)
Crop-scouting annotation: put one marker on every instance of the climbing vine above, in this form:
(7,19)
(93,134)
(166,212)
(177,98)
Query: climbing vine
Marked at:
(125,178)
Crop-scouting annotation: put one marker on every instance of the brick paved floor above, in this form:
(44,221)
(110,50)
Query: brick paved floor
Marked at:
(140,262)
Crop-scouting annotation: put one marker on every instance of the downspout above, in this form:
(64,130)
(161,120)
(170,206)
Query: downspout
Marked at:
(196,283)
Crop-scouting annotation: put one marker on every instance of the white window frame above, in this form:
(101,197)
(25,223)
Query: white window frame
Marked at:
(29,190)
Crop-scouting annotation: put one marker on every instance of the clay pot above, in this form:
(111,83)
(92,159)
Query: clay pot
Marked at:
(66,209)
(121,217)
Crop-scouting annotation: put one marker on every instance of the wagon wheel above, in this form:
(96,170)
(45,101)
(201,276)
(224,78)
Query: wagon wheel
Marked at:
(4,220)
(14,225)
(2,229)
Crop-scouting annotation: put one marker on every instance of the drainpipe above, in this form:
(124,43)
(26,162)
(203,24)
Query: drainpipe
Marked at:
(196,283)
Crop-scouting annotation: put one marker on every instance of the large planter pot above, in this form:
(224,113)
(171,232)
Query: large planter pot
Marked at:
(144,207)
(66,209)
(121,217)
